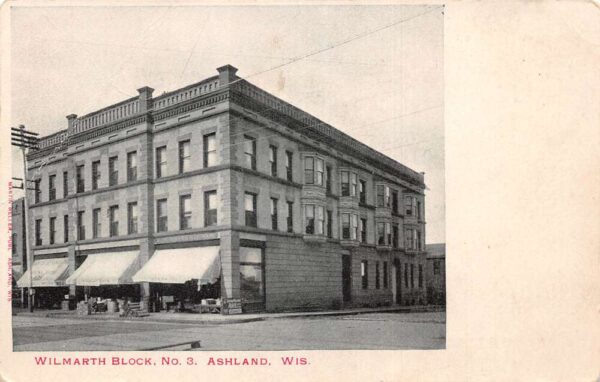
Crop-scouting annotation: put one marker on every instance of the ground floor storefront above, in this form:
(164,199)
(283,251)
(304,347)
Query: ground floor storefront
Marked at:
(230,273)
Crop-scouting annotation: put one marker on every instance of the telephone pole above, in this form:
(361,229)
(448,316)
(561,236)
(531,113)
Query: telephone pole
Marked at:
(26,140)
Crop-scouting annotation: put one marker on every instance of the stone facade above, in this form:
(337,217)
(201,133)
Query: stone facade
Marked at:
(240,141)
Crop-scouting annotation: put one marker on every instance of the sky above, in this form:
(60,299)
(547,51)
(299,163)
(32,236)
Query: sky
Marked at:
(374,72)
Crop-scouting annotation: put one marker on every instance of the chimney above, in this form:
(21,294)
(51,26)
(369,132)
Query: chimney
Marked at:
(145,98)
(226,74)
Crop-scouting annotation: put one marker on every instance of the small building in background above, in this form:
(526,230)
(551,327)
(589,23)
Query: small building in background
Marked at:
(436,273)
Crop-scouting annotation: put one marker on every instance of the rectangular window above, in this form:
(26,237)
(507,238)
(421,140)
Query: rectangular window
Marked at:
(313,219)
(289,160)
(412,275)
(353,227)
(250,209)
(65,184)
(388,234)
(408,239)
(132,218)
(184,156)
(37,191)
(210,150)
(385,275)
(419,241)
(52,187)
(95,174)
(274,214)
(79,177)
(161,161)
(345,175)
(290,217)
(377,275)
(252,291)
(395,201)
(420,276)
(362,189)
(80,225)
(328,179)
(185,211)
(132,166)
(329,224)
(96,225)
(210,208)
(363,230)
(113,217)
(66,228)
(408,204)
(353,185)
(319,172)
(250,152)
(380,195)
(309,170)
(406,275)
(38,232)
(273,160)
(346,226)
(113,171)
(364,274)
(395,235)
(380,233)
(418,210)
(436,267)
(52,230)
(387,197)
(161,215)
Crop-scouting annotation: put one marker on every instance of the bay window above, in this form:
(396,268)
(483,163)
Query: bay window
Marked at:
(314,217)
(313,171)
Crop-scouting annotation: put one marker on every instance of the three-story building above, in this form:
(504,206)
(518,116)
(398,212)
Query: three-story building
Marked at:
(220,189)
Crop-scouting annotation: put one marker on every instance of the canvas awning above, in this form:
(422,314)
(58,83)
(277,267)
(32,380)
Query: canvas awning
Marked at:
(46,273)
(176,266)
(112,268)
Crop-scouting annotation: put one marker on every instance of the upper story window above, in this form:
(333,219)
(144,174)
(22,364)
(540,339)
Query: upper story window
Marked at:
(290,217)
(395,201)
(79,177)
(96,225)
(210,208)
(113,171)
(273,160)
(65,184)
(289,160)
(52,187)
(250,209)
(418,210)
(313,171)
(185,211)
(161,215)
(349,226)
(329,224)
(210,149)
(395,235)
(66,228)
(328,179)
(52,229)
(113,216)
(274,213)
(37,191)
(349,183)
(362,191)
(410,204)
(250,152)
(95,174)
(363,230)
(38,232)
(383,196)
(413,239)
(80,225)
(313,219)
(381,233)
(131,166)
(364,274)
(161,161)
(184,156)
(132,218)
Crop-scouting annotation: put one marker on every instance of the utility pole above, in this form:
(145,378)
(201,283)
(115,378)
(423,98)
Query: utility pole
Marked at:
(26,140)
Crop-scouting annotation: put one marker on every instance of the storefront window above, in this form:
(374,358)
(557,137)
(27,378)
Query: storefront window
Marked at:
(252,291)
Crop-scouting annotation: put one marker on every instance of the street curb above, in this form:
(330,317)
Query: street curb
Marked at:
(415,309)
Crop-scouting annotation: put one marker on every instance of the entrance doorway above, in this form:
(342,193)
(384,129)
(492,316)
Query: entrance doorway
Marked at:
(346,278)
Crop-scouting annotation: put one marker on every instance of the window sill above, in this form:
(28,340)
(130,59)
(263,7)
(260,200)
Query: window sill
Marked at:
(312,238)
(380,247)
(349,243)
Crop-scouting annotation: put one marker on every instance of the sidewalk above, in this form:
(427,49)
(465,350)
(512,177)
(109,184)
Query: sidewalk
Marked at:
(218,319)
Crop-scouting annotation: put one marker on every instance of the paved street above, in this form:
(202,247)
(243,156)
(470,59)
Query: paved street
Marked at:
(360,331)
